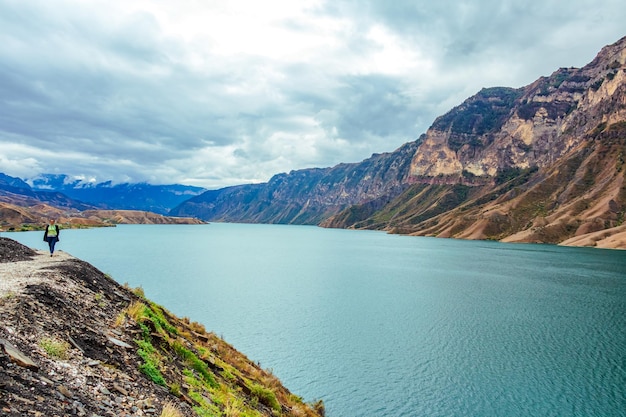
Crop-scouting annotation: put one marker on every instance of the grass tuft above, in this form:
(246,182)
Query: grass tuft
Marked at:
(55,348)
(170,410)
(265,396)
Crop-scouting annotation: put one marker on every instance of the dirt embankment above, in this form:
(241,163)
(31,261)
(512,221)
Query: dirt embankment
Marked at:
(74,342)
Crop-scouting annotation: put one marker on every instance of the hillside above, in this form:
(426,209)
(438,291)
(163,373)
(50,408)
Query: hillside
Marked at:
(105,195)
(35,217)
(74,342)
(22,208)
(541,163)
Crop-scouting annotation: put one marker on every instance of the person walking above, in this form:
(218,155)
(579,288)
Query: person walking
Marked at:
(51,235)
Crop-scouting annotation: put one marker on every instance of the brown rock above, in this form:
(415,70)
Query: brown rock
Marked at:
(18,357)
(63,390)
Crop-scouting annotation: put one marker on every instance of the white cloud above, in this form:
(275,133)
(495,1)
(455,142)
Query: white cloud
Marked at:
(223,93)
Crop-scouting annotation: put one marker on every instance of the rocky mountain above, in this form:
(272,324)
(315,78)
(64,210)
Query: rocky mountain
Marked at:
(106,195)
(541,163)
(306,196)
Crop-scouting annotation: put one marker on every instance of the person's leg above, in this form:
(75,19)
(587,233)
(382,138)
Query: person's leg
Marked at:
(51,242)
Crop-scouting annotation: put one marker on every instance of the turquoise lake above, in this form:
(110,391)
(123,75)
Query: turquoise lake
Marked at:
(386,326)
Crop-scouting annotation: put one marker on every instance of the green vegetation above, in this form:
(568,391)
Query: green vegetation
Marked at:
(195,363)
(151,362)
(203,369)
(55,348)
(266,396)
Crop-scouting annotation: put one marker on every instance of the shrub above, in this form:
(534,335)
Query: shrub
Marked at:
(265,396)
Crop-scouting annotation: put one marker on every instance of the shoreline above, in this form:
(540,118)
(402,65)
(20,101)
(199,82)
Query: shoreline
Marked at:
(115,352)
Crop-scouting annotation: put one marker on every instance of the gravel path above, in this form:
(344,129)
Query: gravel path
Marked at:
(20,265)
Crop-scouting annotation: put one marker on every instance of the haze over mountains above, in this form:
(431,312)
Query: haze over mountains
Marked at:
(541,163)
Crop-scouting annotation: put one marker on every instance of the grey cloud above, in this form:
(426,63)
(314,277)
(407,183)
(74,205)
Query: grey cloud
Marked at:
(372,104)
(115,97)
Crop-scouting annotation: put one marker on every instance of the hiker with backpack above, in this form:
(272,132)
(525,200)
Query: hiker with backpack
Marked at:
(51,235)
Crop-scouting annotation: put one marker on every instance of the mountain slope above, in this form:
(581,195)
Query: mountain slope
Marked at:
(141,196)
(550,170)
(542,163)
(305,196)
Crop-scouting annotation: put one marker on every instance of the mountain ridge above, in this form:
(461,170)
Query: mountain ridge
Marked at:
(490,168)
(22,208)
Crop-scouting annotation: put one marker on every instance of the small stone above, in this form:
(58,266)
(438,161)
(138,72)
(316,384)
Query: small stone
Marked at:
(45,380)
(66,393)
(120,389)
(118,342)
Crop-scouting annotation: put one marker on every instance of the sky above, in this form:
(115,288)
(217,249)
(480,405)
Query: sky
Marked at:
(214,93)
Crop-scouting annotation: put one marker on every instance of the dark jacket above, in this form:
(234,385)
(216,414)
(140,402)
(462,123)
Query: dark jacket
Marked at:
(45,235)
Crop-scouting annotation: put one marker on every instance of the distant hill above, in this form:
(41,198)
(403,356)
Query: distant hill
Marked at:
(22,208)
(105,195)
(542,163)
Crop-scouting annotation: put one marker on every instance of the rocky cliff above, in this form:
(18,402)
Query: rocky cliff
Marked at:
(74,342)
(306,196)
(542,163)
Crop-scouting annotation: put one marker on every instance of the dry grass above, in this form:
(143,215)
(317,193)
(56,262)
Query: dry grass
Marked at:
(170,410)
(136,310)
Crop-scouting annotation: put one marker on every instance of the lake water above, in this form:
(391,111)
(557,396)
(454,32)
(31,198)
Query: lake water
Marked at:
(386,326)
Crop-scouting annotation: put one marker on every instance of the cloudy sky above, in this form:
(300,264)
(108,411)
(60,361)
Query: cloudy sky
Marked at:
(223,92)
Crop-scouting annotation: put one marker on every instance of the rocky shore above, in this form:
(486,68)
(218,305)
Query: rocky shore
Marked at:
(75,342)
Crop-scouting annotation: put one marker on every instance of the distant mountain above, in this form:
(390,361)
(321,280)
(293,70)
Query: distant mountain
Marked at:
(140,196)
(16,191)
(542,163)
(306,196)
(23,208)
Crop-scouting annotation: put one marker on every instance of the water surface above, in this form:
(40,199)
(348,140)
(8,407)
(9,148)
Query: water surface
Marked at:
(386,326)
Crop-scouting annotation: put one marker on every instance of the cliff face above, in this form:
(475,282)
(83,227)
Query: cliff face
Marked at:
(542,163)
(306,196)
(503,128)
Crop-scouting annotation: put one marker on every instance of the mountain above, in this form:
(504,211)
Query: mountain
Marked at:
(22,208)
(139,196)
(16,191)
(541,163)
(306,196)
